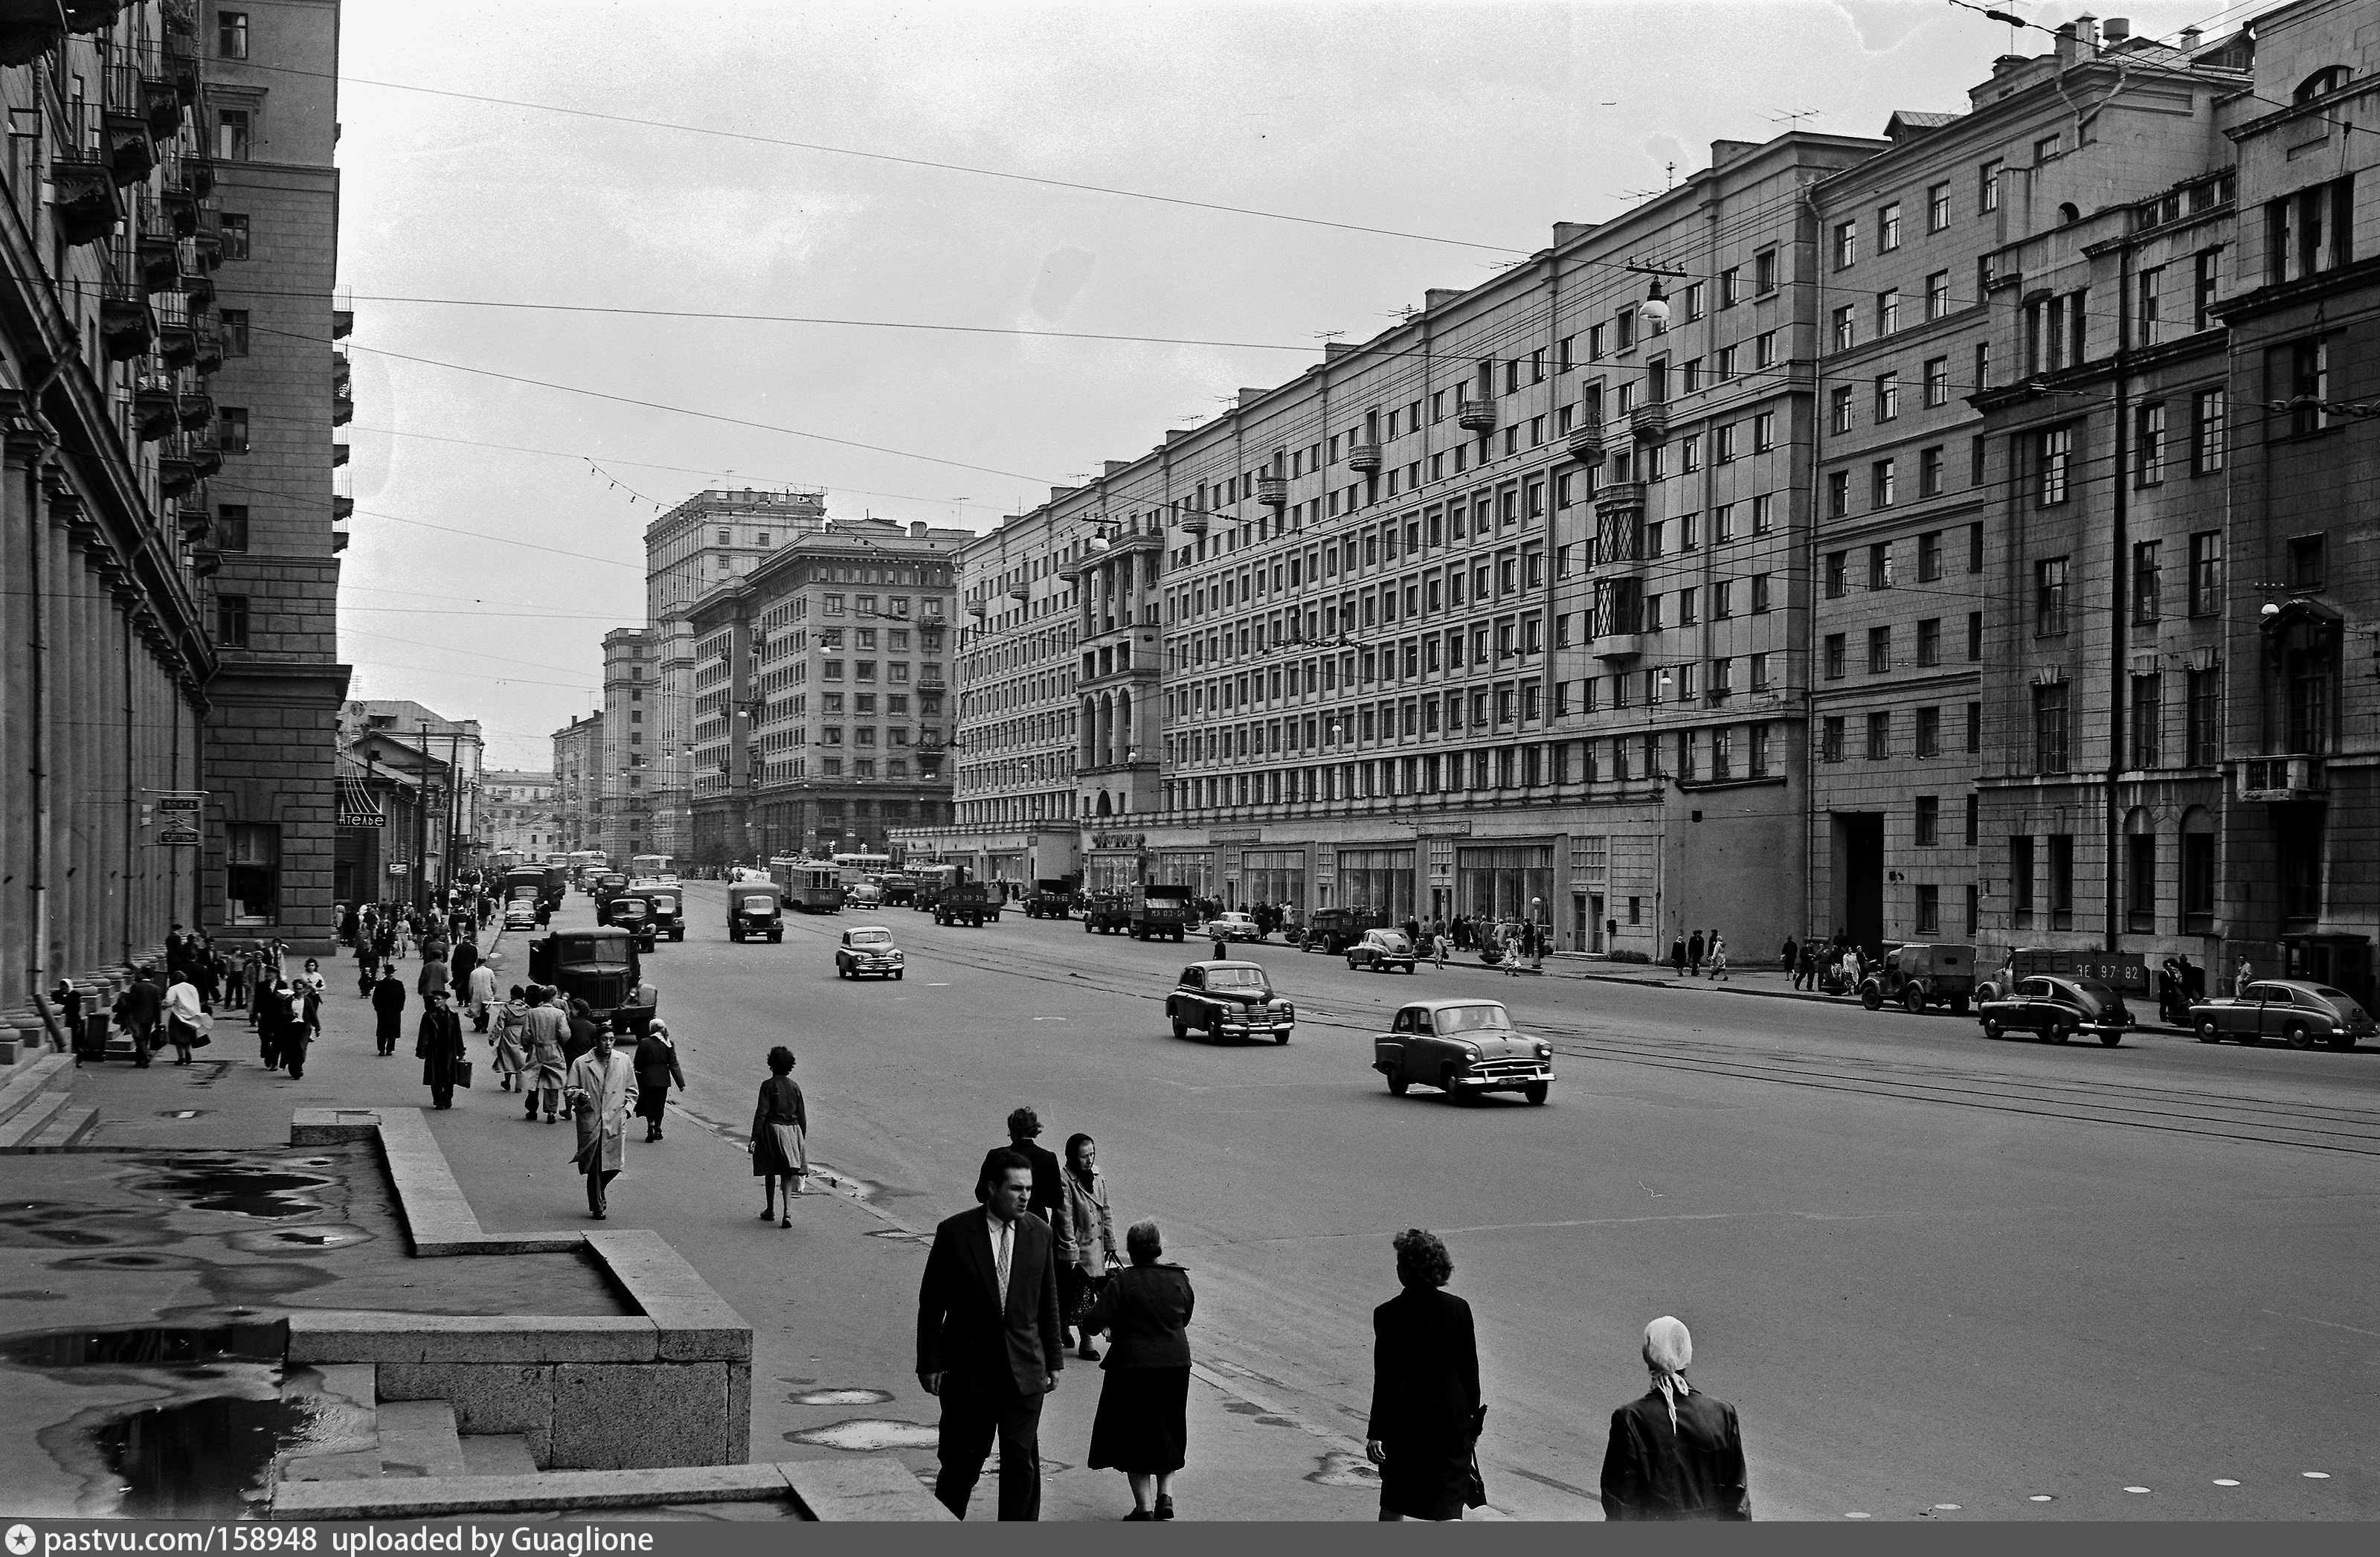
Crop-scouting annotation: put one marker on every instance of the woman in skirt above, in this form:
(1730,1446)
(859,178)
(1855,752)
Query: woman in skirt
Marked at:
(511,1057)
(1142,1427)
(781,1128)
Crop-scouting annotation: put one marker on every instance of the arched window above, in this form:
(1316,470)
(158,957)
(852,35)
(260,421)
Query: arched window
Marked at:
(2323,81)
(2069,213)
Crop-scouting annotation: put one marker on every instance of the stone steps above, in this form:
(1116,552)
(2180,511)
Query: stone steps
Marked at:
(28,1078)
(37,1111)
(64,1132)
(419,1438)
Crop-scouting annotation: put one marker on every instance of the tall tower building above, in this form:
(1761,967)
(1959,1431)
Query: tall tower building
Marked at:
(711,538)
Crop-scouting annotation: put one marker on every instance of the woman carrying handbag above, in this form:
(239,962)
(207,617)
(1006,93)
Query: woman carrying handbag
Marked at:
(1092,1242)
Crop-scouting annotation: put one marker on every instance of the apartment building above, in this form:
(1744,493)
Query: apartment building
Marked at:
(1971,288)
(2294,891)
(1498,612)
(820,689)
(712,538)
(578,766)
(421,772)
(516,813)
(623,804)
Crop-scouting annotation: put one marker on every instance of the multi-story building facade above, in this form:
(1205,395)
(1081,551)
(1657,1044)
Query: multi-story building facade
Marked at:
(516,813)
(272,104)
(131,693)
(821,692)
(439,760)
(1500,613)
(624,803)
(578,767)
(711,538)
(1971,283)
(2301,805)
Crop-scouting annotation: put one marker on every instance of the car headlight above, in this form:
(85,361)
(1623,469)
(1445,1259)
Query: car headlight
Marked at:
(1544,1052)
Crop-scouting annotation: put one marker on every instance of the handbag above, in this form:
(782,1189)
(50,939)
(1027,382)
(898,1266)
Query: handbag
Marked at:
(463,1074)
(1474,1491)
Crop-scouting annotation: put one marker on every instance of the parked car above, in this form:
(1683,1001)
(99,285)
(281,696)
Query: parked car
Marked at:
(1229,1000)
(1382,951)
(1462,1046)
(867,949)
(756,909)
(1335,930)
(1233,926)
(2053,1010)
(1914,977)
(2299,1014)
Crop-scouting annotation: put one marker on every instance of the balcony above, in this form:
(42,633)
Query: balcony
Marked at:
(162,105)
(210,354)
(343,324)
(154,409)
(1365,457)
(343,409)
(206,563)
(339,539)
(178,345)
(1619,500)
(1273,490)
(86,207)
(1649,424)
(160,264)
(206,456)
(1587,444)
(181,209)
(131,149)
(339,453)
(1070,572)
(197,412)
(194,521)
(1478,416)
(125,325)
(2283,780)
(1194,523)
(175,475)
(90,16)
(1020,594)
(28,28)
(198,291)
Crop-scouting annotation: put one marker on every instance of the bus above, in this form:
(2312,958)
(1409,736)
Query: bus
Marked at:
(858,868)
(650,868)
(815,886)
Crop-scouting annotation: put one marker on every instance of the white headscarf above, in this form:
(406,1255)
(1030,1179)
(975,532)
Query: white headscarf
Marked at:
(1668,1348)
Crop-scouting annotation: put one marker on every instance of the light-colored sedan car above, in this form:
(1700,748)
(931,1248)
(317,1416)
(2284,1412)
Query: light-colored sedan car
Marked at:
(520,914)
(1462,1046)
(2299,1014)
(1233,927)
(867,949)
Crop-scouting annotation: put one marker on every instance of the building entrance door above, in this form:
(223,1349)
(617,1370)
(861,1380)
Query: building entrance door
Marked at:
(1859,896)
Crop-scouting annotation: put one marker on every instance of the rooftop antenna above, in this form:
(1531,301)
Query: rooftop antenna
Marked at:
(1792,117)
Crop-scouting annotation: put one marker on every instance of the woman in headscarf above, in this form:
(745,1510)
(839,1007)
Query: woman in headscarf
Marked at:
(1675,1453)
(1091,1247)
(781,1128)
(1142,1427)
(1426,1410)
(657,1067)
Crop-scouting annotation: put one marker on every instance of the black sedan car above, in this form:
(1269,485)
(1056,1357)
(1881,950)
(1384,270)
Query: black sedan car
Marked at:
(2055,1010)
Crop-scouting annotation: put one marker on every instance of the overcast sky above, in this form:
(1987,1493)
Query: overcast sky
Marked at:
(1471,126)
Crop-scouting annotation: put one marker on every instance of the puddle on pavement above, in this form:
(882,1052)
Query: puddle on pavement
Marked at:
(242,1186)
(1343,1470)
(840,1397)
(315,1237)
(207,1453)
(865,1435)
(205,1458)
(75,1224)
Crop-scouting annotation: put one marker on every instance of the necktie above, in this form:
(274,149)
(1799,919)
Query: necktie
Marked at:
(1002,1254)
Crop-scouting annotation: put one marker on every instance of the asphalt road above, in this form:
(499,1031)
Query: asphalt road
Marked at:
(1939,1276)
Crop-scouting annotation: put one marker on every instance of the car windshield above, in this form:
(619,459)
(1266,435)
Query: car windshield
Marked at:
(871,938)
(1235,978)
(666,904)
(759,903)
(1472,1018)
(609,951)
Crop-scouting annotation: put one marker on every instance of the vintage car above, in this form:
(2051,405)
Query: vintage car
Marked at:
(867,949)
(2053,1010)
(1229,1000)
(668,907)
(520,914)
(863,894)
(755,909)
(632,913)
(2299,1014)
(1382,951)
(599,967)
(1335,930)
(1914,977)
(1462,1046)
(1233,926)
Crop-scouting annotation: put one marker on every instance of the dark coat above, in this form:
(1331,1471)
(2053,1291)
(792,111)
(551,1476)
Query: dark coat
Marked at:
(1048,1193)
(1425,1368)
(1692,1471)
(388,1002)
(963,1330)
(138,1007)
(583,1031)
(466,957)
(1146,1311)
(438,1044)
(657,1067)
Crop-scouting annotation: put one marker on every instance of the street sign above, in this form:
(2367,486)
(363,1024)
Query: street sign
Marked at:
(185,837)
(400,870)
(181,805)
(362,818)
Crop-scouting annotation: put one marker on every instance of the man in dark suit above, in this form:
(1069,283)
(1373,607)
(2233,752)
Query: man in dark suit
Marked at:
(988,1340)
(1049,1189)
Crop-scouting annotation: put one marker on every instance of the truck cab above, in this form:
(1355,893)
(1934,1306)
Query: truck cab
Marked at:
(601,966)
